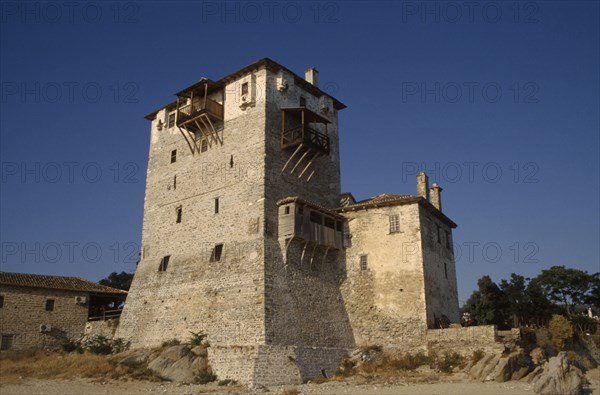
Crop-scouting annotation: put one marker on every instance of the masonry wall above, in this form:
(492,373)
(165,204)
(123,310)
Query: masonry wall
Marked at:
(224,299)
(464,340)
(441,293)
(24,310)
(386,302)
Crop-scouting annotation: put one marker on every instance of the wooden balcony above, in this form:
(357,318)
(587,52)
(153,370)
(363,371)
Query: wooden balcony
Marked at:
(296,130)
(188,115)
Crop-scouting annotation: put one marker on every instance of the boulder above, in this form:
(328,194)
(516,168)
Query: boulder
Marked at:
(199,351)
(559,377)
(176,363)
(516,364)
(538,356)
(484,366)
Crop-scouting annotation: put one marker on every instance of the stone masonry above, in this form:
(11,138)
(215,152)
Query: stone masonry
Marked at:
(247,237)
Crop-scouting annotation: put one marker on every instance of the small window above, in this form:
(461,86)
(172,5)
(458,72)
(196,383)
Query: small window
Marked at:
(439,238)
(1,301)
(448,244)
(245,88)
(216,205)
(6,342)
(316,217)
(363,263)
(216,253)
(302,101)
(445,269)
(164,263)
(329,222)
(338,226)
(50,305)
(203,145)
(174,156)
(171,120)
(395,223)
(174,182)
(179,213)
(287,210)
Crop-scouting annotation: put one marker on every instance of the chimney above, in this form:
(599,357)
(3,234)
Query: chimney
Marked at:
(436,196)
(312,75)
(423,185)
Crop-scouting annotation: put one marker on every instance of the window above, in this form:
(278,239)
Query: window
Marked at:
(216,205)
(395,223)
(448,244)
(50,305)
(6,342)
(179,212)
(164,262)
(216,253)
(203,145)
(174,182)
(446,269)
(363,263)
(174,156)
(171,120)
(437,227)
(1,301)
(287,210)
(245,88)
(302,101)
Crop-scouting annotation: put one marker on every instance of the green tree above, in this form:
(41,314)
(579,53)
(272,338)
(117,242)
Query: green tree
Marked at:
(118,280)
(566,286)
(517,297)
(487,305)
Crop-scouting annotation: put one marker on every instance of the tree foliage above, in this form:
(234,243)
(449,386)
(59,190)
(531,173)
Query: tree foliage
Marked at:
(567,287)
(118,280)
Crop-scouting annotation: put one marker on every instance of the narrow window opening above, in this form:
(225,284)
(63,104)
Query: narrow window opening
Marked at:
(245,88)
(448,244)
(6,342)
(171,121)
(179,213)
(395,223)
(231,161)
(203,145)
(446,269)
(438,233)
(174,156)
(302,101)
(216,253)
(50,305)
(287,210)
(216,205)
(175,182)
(363,263)
(1,301)
(164,263)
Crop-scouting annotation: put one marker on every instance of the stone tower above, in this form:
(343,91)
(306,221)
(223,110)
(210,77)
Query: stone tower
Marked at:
(247,237)
(221,156)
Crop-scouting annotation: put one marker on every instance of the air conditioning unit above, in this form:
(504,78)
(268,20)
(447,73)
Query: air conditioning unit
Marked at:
(45,328)
(245,98)
(80,299)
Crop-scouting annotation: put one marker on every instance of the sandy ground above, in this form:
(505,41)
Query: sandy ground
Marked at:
(456,384)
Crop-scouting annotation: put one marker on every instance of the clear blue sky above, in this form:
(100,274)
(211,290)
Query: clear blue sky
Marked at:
(498,101)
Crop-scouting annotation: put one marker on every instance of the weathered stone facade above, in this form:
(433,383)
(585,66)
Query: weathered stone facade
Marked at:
(243,237)
(39,311)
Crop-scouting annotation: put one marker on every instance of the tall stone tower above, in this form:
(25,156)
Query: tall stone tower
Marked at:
(213,258)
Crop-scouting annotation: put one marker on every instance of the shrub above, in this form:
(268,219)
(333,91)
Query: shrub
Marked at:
(477,355)
(205,377)
(197,338)
(98,345)
(172,342)
(226,382)
(449,362)
(410,361)
(561,331)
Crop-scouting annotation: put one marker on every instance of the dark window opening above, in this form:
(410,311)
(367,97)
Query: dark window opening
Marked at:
(316,217)
(287,210)
(245,88)
(363,263)
(438,233)
(171,121)
(174,182)
(1,301)
(179,212)
(448,244)
(164,263)
(445,269)
(6,342)
(302,101)
(329,222)
(231,161)
(300,210)
(395,223)
(216,205)
(216,253)
(174,156)
(50,305)
(204,145)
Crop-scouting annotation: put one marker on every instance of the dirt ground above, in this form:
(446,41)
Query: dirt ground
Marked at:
(455,384)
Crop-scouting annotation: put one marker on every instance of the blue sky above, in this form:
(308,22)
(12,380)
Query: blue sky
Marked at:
(498,101)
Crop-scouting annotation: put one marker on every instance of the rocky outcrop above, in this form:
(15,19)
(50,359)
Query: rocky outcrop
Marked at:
(559,376)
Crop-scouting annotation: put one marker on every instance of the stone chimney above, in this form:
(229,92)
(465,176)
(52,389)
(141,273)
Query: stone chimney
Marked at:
(435,194)
(423,185)
(312,75)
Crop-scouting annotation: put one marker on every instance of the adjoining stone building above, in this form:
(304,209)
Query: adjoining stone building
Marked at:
(248,238)
(39,311)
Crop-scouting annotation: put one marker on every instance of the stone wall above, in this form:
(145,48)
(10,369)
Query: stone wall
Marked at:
(464,340)
(24,311)
(106,328)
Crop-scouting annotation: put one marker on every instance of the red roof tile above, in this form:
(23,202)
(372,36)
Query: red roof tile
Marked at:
(55,282)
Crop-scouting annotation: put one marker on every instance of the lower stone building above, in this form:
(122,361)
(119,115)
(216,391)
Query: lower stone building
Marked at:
(40,311)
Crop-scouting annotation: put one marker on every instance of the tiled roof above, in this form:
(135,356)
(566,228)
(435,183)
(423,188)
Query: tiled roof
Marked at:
(293,199)
(55,282)
(382,200)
